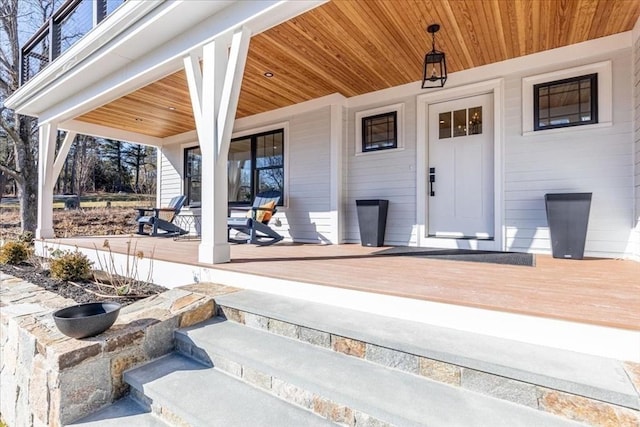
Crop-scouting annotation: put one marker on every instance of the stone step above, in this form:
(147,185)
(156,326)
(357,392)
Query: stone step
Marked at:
(345,389)
(524,373)
(187,393)
(124,412)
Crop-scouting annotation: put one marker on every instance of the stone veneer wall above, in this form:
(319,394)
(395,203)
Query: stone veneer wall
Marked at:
(49,379)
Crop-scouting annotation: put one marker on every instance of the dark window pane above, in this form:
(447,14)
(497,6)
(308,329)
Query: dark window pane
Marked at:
(445,125)
(270,179)
(459,123)
(379,132)
(193,176)
(475,121)
(239,167)
(570,102)
(269,150)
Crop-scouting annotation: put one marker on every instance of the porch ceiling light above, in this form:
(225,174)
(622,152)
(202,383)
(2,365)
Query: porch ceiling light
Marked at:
(435,66)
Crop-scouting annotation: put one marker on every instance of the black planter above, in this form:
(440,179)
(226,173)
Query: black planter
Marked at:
(568,217)
(372,220)
(86,320)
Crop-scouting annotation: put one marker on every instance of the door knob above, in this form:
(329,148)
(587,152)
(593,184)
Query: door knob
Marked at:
(432,180)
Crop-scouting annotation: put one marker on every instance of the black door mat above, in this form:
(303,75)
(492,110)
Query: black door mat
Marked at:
(509,258)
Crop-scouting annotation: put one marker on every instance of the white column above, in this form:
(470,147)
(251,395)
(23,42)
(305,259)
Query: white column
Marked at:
(214,92)
(337,156)
(46,152)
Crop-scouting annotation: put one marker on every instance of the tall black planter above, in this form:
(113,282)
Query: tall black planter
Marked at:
(372,220)
(568,217)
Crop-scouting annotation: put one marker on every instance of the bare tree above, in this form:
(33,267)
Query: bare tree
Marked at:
(20,163)
(85,158)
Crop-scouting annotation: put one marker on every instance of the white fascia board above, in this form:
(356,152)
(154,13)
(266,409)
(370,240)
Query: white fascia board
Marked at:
(99,131)
(524,64)
(128,14)
(167,33)
(132,59)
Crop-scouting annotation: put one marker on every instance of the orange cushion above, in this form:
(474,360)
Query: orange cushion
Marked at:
(263,215)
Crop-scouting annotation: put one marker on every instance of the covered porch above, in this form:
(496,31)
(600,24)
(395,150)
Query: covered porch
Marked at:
(589,306)
(311,71)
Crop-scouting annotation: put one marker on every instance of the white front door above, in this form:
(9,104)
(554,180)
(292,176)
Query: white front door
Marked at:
(460,171)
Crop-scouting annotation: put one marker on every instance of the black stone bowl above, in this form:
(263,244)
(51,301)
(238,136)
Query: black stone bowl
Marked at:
(86,320)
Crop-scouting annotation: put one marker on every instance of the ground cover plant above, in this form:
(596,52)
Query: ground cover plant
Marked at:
(69,273)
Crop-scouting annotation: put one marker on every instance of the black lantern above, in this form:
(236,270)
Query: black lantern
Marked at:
(435,66)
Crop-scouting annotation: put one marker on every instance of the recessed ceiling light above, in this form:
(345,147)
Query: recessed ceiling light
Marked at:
(172,108)
(268,74)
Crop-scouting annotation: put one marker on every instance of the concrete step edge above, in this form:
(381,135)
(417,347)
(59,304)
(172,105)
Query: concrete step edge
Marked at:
(126,411)
(325,325)
(183,392)
(300,372)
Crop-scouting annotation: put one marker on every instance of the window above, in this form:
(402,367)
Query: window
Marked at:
(256,164)
(379,132)
(192,176)
(464,123)
(602,99)
(567,102)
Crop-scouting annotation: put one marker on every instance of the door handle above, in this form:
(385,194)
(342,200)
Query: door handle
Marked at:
(432,179)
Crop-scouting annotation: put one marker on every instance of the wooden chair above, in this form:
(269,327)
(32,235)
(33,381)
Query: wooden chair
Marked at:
(255,225)
(161,222)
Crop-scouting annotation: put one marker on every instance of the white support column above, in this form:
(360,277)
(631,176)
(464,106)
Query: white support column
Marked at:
(47,148)
(63,151)
(337,155)
(214,92)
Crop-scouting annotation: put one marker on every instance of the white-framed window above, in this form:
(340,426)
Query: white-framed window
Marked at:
(541,113)
(379,129)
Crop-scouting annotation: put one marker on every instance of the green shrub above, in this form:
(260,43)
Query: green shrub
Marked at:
(71,265)
(14,252)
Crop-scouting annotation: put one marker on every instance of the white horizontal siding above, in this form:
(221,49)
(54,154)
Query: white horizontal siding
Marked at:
(307,217)
(170,173)
(596,160)
(387,174)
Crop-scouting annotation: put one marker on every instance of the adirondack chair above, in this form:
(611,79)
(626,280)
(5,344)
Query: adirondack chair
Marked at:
(254,227)
(161,221)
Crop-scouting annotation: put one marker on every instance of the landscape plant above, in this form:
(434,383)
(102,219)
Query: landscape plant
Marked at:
(70,266)
(14,252)
(124,279)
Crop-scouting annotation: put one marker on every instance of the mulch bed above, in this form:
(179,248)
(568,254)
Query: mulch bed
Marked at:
(82,222)
(80,292)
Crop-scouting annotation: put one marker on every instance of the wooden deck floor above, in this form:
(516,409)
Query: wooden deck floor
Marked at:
(594,291)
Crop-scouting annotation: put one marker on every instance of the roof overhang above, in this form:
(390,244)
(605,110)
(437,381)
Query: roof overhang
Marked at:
(128,73)
(141,42)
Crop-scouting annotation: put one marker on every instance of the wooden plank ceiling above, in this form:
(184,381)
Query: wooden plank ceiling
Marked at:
(355,47)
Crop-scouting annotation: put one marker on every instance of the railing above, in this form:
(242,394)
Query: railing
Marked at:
(67,25)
